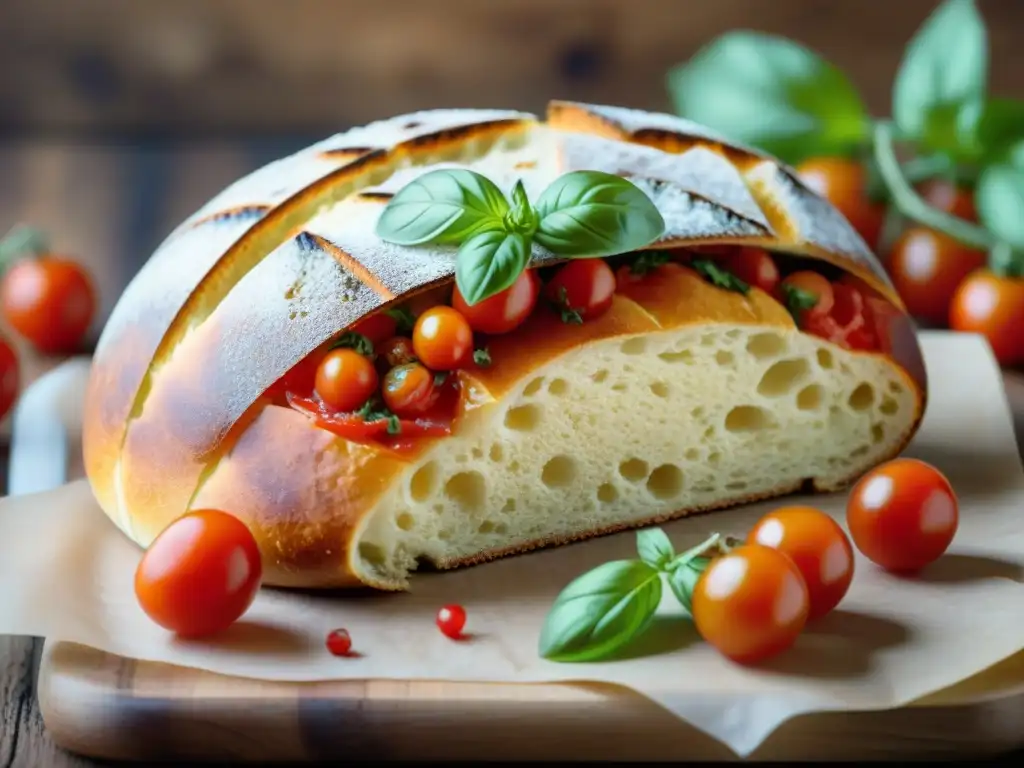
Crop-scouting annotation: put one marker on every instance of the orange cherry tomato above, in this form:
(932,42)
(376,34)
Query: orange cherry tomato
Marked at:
(504,311)
(409,390)
(200,574)
(948,197)
(751,604)
(753,266)
(443,339)
(397,351)
(816,545)
(927,267)
(993,306)
(902,515)
(346,379)
(814,284)
(843,182)
(50,301)
(376,327)
(10,376)
(583,288)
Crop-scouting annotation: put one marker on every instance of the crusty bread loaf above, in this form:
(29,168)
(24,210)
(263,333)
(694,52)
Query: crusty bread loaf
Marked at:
(682,397)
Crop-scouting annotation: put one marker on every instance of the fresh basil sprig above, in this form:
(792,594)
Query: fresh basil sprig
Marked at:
(720,277)
(798,300)
(605,609)
(582,214)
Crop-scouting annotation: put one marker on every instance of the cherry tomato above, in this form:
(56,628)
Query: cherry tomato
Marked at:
(451,620)
(504,311)
(345,379)
(817,286)
(948,197)
(397,351)
(50,301)
(816,545)
(902,515)
(751,603)
(993,306)
(376,327)
(582,287)
(848,323)
(10,376)
(843,182)
(443,339)
(927,267)
(339,642)
(755,267)
(409,390)
(200,574)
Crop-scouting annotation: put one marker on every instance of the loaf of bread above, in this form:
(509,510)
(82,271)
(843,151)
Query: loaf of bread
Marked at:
(683,396)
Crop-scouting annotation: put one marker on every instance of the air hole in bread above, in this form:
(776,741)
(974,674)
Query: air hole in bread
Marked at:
(747,418)
(877,433)
(508,507)
(559,472)
(620,386)
(634,470)
(665,482)
(825,360)
(558,387)
(487,526)
(698,412)
(783,377)
(476,453)
(692,454)
(860,450)
(888,406)
(533,387)
(600,376)
(684,356)
(659,389)
(715,457)
(724,357)
(895,388)
(810,398)
(467,489)
(765,345)
(863,397)
(423,483)
(709,433)
(607,493)
(709,340)
(736,485)
(523,418)
(635,346)
(372,553)
(497,453)
(405,521)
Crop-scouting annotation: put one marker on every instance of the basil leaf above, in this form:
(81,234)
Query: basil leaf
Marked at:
(772,93)
(999,198)
(443,206)
(648,261)
(601,611)
(522,218)
(1001,125)
(482,357)
(681,581)
(589,213)
(404,319)
(489,262)
(654,547)
(942,78)
(798,300)
(356,341)
(719,277)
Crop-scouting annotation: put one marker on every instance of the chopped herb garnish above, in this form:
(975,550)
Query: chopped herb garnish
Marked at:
(570,316)
(648,261)
(440,378)
(717,276)
(373,410)
(482,357)
(405,320)
(798,300)
(356,341)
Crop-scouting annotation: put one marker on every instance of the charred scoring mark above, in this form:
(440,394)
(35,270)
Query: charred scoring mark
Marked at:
(345,153)
(309,242)
(377,197)
(462,132)
(239,213)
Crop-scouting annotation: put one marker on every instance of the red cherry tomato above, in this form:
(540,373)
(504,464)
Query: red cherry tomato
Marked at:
(376,327)
(409,390)
(816,545)
(948,197)
(902,515)
(50,301)
(10,376)
(345,379)
(443,339)
(849,323)
(926,268)
(751,604)
(451,620)
(200,574)
(583,288)
(339,642)
(755,267)
(397,351)
(814,285)
(993,306)
(843,183)
(504,311)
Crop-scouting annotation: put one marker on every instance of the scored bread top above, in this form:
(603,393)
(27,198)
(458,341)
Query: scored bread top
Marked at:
(287,257)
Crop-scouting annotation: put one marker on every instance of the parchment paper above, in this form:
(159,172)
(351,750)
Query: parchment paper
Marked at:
(66,573)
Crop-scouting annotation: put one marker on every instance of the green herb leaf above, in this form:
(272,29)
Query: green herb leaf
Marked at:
(717,276)
(601,611)
(373,410)
(522,218)
(569,315)
(648,261)
(654,548)
(798,300)
(482,357)
(404,319)
(941,81)
(999,198)
(1001,126)
(682,580)
(593,214)
(443,206)
(772,93)
(356,341)
(489,262)
(440,378)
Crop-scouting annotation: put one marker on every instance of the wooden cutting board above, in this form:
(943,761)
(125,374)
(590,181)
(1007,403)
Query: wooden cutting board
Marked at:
(106,706)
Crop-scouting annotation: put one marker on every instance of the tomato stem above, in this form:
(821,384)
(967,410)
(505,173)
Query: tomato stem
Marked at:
(19,241)
(911,205)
